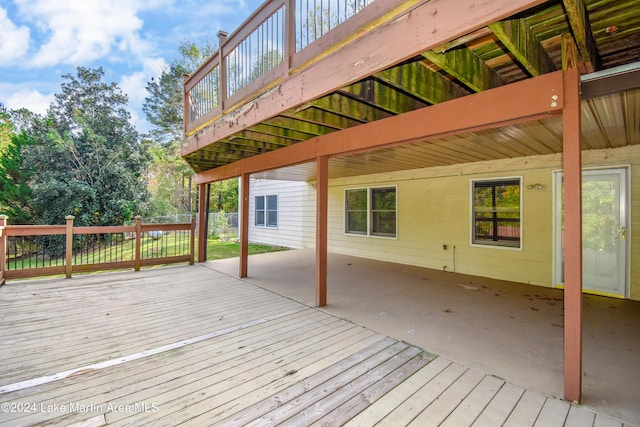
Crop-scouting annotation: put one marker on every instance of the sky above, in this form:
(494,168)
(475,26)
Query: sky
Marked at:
(132,40)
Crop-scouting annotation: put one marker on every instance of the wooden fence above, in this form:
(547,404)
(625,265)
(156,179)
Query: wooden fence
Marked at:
(44,250)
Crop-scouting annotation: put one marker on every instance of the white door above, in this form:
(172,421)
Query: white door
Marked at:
(604,231)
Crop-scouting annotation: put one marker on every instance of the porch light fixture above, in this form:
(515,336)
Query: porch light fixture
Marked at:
(535,187)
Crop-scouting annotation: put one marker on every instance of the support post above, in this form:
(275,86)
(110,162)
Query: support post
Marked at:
(192,241)
(289,34)
(203,214)
(322,190)
(3,247)
(244,225)
(222,85)
(186,104)
(68,262)
(137,262)
(572,164)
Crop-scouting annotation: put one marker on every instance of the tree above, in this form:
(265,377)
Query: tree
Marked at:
(163,107)
(14,176)
(171,181)
(88,157)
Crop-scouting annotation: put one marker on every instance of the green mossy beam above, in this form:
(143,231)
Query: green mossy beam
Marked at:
(515,35)
(466,67)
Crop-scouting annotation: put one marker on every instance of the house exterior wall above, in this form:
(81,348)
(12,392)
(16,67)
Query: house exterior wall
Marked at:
(296,213)
(434,209)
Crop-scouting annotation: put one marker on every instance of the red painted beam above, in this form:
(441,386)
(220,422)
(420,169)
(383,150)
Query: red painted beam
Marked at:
(489,109)
(572,164)
(322,192)
(203,207)
(244,226)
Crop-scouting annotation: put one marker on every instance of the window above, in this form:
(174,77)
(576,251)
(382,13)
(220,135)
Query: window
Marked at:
(496,212)
(356,215)
(266,211)
(371,211)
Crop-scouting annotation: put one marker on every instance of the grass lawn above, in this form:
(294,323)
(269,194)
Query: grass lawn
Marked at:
(217,249)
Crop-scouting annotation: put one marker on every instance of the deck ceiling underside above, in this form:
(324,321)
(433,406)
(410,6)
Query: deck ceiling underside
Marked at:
(505,52)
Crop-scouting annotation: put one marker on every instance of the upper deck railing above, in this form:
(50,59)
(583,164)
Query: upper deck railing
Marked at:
(273,43)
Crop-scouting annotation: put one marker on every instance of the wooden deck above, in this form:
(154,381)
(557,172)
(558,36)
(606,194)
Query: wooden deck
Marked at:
(188,345)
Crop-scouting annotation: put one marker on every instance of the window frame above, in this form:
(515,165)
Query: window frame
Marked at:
(266,211)
(497,244)
(370,213)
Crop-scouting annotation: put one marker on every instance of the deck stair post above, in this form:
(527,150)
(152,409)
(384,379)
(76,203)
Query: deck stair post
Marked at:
(137,260)
(68,263)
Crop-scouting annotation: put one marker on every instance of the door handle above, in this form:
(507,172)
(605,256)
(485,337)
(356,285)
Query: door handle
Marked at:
(623,232)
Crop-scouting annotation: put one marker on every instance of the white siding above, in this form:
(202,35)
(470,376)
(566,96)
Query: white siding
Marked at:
(296,213)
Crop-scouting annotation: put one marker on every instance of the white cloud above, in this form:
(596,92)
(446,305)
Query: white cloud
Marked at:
(23,97)
(14,42)
(134,85)
(81,31)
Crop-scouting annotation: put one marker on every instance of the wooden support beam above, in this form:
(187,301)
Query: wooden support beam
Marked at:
(582,34)
(315,114)
(418,80)
(489,109)
(572,164)
(290,128)
(381,96)
(467,68)
(348,107)
(516,36)
(261,140)
(244,225)
(203,212)
(322,191)
(222,80)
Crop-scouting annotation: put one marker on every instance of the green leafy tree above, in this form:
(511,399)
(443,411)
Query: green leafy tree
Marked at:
(14,176)
(87,155)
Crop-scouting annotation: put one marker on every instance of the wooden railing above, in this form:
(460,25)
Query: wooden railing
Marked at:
(43,250)
(278,40)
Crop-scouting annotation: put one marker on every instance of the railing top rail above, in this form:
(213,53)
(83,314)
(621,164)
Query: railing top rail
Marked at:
(163,227)
(34,230)
(104,229)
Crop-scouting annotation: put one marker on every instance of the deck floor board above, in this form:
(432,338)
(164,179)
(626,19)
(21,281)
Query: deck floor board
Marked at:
(229,353)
